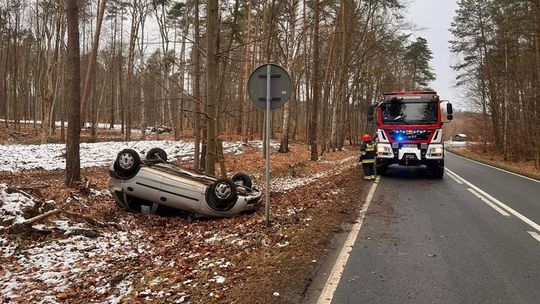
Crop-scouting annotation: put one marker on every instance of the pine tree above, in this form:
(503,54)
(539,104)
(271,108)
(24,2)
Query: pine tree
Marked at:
(417,57)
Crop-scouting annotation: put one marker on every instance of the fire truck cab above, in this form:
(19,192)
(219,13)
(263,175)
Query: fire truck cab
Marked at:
(409,130)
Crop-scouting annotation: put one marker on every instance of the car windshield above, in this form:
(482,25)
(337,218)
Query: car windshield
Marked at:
(417,113)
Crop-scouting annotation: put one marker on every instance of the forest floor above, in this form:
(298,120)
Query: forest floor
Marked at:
(525,168)
(94,251)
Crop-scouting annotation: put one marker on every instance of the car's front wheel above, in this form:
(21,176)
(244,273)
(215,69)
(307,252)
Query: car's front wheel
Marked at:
(242,179)
(127,163)
(221,195)
(156,155)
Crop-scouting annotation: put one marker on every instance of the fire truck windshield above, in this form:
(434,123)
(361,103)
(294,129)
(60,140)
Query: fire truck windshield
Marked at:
(409,113)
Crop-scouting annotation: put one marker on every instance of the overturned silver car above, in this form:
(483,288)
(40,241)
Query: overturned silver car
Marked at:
(151,184)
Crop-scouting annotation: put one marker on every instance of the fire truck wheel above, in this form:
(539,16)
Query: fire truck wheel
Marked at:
(381,169)
(438,172)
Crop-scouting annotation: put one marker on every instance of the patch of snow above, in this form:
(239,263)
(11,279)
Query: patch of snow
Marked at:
(59,264)
(12,205)
(52,156)
(123,289)
(7,248)
(218,279)
(284,244)
(287,183)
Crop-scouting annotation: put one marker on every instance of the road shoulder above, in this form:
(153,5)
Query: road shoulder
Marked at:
(527,171)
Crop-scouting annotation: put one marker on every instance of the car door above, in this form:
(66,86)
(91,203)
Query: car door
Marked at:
(181,193)
(145,185)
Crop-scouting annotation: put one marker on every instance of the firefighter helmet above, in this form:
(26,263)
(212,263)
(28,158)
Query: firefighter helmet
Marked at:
(366,137)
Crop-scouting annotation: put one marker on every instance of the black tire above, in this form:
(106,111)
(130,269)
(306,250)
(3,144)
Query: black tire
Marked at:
(381,169)
(242,179)
(436,169)
(156,155)
(127,163)
(221,195)
(437,172)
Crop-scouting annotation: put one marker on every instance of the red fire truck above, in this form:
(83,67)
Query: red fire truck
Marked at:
(409,130)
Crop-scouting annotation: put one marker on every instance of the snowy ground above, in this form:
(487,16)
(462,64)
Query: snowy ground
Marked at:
(288,183)
(100,125)
(105,268)
(52,156)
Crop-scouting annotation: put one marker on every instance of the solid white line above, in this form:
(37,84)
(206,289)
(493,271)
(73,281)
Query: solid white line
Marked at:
(499,203)
(485,200)
(337,271)
(534,235)
(496,168)
(454,178)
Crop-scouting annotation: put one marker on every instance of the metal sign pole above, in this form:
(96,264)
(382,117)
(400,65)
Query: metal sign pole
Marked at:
(268,100)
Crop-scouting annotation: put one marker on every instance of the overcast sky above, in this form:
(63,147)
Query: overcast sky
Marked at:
(433,19)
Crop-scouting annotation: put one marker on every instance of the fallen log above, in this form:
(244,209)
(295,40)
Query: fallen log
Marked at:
(40,217)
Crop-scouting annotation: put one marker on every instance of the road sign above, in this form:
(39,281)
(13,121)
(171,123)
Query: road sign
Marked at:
(269,88)
(280,86)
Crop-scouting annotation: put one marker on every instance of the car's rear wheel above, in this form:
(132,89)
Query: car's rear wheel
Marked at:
(127,163)
(156,154)
(242,179)
(221,195)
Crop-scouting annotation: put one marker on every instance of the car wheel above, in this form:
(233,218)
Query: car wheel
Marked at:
(221,195)
(127,163)
(156,154)
(242,179)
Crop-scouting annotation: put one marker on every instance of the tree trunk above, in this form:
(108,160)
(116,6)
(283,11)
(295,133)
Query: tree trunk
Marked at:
(91,68)
(197,90)
(74,120)
(316,86)
(212,84)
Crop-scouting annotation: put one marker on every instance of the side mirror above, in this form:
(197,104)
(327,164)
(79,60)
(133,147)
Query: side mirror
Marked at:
(449,111)
(371,110)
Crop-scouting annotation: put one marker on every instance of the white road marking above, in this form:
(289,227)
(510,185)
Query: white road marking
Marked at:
(493,167)
(454,178)
(534,235)
(486,200)
(337,271)
(499,203)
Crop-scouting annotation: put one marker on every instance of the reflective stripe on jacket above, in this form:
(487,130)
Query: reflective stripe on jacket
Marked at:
(367,152)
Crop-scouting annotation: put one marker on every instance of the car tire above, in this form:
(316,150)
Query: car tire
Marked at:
(242,179)
(156,155)
(221,195)
(127,163)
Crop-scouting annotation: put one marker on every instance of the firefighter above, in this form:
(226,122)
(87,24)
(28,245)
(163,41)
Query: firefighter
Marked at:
(367,157)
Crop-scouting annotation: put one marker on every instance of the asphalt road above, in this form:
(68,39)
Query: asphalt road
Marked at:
(470,238)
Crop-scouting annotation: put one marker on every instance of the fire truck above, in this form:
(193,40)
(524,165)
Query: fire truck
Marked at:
(409,130)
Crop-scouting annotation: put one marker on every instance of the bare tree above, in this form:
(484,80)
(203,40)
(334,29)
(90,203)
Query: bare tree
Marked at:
(316,86)
(212,84)
(73,161)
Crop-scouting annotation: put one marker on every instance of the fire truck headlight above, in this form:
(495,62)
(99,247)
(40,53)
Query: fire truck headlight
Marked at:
(383,148)
(436,151)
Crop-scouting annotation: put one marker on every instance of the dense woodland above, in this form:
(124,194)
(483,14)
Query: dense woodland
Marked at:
(499,45)
(185,65)
(148,63)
